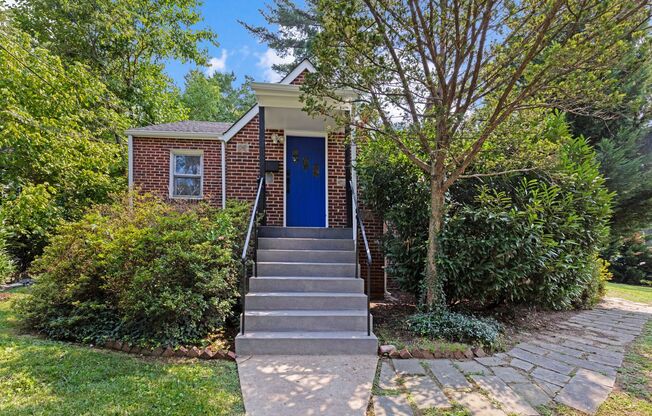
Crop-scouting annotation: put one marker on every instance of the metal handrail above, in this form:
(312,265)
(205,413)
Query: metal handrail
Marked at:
(252,229)
(360,224)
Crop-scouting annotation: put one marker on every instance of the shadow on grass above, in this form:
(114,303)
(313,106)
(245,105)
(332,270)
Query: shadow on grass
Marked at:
(41,377)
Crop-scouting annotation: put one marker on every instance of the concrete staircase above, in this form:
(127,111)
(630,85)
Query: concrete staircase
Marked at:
(305,299)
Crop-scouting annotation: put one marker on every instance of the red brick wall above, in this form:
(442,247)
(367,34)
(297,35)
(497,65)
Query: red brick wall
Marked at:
(151,165)
(300,78)
(242,173)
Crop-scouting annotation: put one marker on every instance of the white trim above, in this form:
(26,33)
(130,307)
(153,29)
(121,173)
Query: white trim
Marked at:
(285,180)
(130,163)
(238,125)
(249,115)
(223,174)
(163,134)
(186,152)
(326,179)
(305,133)
(311,134)
(298,70)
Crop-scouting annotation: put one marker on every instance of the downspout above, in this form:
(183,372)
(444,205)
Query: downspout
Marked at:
(130,163)
(223,174)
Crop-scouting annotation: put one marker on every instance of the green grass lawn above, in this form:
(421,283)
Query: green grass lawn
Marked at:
(42,377)
(642,294)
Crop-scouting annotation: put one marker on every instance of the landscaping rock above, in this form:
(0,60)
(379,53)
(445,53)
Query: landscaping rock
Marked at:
(117,345)
(126,347)
(405,354)
(386,349)
(168,352)
(417,353)
(194,352)
(468,353)
(206,354)
(479,352)
(181,352)
(156,352)
(231,355)
(395,354)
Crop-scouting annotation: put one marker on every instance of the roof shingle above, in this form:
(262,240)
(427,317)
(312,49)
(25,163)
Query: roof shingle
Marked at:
(188,126)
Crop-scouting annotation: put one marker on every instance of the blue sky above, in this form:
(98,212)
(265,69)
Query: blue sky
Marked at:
(239,51)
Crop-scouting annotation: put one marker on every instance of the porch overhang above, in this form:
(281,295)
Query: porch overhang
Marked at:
(289,96)
(284,109)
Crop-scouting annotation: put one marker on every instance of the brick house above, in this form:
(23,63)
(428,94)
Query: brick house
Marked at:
(309,210)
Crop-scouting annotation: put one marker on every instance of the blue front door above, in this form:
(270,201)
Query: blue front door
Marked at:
(305,182)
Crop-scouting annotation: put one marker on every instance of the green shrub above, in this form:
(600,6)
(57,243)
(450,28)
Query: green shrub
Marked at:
(529,238)
(457,327)
(632,261)
(150,274)
(7,267)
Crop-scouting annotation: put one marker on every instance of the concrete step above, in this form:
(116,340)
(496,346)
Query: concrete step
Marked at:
(302,320)
(306,343)
(267,301)
(306,269)
(305,232)
(306,256)
(305,284)
(305,243)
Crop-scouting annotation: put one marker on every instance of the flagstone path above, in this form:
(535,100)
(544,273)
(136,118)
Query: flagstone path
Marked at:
(574,364)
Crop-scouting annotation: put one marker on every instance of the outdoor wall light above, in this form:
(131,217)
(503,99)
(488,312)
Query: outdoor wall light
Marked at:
(276,138)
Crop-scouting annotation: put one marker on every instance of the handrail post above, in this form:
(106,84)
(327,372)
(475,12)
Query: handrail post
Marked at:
(252,229)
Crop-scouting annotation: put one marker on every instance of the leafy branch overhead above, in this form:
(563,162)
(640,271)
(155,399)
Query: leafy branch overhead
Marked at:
(439,79)
(430,75)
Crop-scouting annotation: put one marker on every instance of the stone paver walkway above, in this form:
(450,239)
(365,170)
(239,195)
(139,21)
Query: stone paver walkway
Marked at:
(308,385)
(574,364)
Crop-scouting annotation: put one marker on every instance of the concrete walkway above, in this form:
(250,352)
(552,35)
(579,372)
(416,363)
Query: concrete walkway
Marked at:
(274,385)
(574,364)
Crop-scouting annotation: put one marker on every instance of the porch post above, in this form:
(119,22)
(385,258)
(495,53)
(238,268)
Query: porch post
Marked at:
(261,157)
(347,167)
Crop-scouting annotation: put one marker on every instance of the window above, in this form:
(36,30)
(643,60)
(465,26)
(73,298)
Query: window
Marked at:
(186,173)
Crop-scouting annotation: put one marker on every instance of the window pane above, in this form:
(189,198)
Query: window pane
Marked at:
(187,187)
(187,165)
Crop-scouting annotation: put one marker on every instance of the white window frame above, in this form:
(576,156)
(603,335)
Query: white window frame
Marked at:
(186,152)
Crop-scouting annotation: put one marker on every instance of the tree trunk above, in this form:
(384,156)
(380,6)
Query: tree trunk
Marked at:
(434,289)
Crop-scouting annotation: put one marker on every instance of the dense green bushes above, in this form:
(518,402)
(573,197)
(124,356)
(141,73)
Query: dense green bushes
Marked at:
(7,267)
(530,238)
(632,261)
(457,327)
(150,274)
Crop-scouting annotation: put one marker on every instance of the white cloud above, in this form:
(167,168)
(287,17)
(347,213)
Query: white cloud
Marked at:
(217,64)
(269,58)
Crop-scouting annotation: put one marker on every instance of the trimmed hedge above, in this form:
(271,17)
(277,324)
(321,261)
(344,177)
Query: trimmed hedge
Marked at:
(147,273)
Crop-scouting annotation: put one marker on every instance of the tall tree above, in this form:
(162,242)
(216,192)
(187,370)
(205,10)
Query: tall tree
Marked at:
(215,98)
(58,147)
(290,30)
(440,78)
(125,43)
(623,142)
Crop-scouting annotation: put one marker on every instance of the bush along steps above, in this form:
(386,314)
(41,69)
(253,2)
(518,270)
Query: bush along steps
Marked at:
(204,353)
(422,353)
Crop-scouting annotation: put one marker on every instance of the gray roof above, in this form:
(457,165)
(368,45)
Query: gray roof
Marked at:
(189,126)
